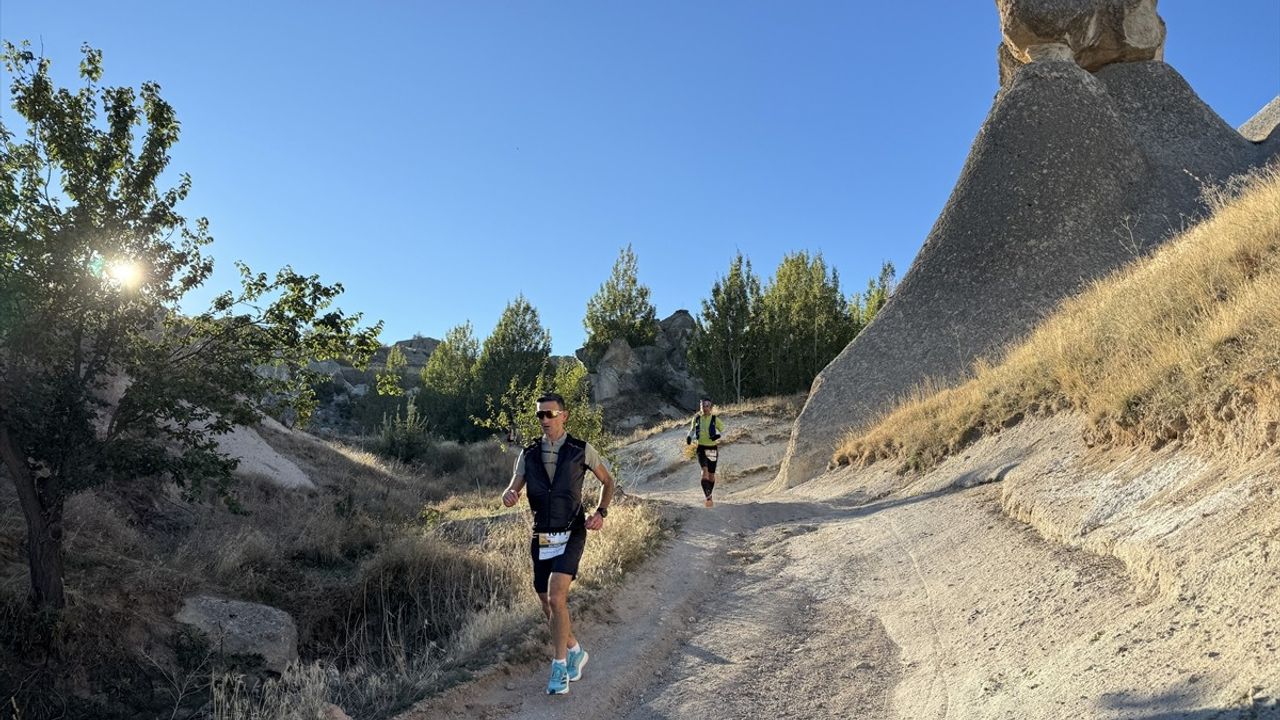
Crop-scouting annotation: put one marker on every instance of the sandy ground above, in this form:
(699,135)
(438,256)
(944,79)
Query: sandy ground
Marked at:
(861,595)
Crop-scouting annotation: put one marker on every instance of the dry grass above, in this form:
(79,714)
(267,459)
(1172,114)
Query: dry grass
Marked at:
(1182,345)
(388,598)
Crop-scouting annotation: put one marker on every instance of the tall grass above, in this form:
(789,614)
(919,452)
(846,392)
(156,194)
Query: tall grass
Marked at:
(428,604)
(389,597)
(1183,344)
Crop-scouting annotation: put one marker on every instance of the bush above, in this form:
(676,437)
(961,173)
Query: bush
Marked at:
(403,437)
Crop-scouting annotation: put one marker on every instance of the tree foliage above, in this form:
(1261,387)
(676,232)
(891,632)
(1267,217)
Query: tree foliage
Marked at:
(773,341)
(447,395)
(390,378)
(620,309)
(879,289)
(804,322)
(720,351)
(101,378)
(516,351)
(516,409)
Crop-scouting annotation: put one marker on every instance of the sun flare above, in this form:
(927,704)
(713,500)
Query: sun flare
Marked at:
(126,273)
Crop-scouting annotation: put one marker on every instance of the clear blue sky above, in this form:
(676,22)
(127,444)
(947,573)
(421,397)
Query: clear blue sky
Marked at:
(438,158)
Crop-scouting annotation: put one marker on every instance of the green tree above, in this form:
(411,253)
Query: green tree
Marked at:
(517,408)
(721,351)
(620,309)
(447,395)
(102,380)
(390,377)
(878,291)
(515,352)
(804,322)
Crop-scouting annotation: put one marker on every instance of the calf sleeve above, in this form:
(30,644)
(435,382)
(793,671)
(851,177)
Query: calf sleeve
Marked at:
(707,486)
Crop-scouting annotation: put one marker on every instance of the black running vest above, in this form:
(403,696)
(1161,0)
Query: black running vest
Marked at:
(556,502)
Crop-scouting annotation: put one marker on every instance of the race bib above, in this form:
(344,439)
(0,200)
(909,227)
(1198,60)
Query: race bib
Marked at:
(552,545)
(712,454)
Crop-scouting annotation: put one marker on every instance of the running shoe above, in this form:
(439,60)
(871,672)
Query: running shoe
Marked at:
(577,660)
(559,682)
(709,502)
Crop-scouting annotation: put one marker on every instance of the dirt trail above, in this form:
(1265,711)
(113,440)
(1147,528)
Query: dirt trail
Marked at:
(836,605)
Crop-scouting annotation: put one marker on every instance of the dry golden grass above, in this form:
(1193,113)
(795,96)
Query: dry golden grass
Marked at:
(1184,344)
(387,600)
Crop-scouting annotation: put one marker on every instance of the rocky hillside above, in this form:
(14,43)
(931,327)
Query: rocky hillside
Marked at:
(1094,152)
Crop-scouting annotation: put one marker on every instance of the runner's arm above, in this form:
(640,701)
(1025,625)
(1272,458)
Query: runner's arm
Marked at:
(606,480)
(511,495)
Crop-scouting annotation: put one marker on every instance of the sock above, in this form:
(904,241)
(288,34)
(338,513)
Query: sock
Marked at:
(576,647)
(561,663)
(707,487)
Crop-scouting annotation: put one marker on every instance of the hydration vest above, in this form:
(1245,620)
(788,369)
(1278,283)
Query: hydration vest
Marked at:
(712,432)
(556,502)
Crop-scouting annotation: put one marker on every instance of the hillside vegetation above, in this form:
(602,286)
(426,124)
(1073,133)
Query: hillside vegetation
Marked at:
(1183,344)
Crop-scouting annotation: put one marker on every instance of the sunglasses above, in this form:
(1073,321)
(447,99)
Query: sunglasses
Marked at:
(547,414)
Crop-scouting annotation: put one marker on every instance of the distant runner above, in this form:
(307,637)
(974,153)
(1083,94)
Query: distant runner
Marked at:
(553,469)
(706,430)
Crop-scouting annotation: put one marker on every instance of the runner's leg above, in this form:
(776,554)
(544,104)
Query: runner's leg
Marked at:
(561,628)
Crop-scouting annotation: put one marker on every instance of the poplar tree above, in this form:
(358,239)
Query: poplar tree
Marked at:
(723,348)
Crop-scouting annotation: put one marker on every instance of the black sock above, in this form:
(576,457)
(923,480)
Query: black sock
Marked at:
(707,486)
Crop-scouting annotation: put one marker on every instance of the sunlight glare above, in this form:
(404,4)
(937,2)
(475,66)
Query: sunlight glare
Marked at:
(126,273)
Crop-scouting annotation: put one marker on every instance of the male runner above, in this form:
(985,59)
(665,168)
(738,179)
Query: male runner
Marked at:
(706,430)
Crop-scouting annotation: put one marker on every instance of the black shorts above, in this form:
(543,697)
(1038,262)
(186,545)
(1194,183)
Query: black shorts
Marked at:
(566,562)
(706,462)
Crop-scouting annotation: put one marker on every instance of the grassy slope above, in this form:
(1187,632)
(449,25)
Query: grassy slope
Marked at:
(392,595)
(1184,344)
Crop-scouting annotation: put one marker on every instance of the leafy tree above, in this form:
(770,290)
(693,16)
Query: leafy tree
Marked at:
(516,410)
(102,380)
(878,291)
(389,379)
(447,395)
(620,309)
(804,322)
(516,351)
(722,347)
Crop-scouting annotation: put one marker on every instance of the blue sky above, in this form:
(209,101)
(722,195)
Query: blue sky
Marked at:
(438,158)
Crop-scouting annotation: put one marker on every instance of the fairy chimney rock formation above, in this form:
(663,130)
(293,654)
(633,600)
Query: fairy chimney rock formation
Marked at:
(1094,153)
(1090,33)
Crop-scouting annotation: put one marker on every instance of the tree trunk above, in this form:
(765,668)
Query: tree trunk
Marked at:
(43,512)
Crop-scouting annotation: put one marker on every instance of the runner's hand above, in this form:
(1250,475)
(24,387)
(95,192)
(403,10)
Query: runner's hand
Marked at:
(595,522)
(510,497)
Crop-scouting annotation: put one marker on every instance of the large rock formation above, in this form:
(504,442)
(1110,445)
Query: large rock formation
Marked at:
(1072,175)
(639,385)
(1091,33)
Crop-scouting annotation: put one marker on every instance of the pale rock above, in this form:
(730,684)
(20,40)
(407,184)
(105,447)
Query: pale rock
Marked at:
(241,628)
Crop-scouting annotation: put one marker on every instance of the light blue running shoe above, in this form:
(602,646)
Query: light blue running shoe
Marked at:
(577,660)
(559,682)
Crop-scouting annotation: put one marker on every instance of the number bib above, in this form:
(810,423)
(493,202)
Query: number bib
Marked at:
(552,545)
(712,454)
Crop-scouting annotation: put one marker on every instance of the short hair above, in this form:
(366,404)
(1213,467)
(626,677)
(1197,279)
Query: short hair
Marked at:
(706,399)
(552,397)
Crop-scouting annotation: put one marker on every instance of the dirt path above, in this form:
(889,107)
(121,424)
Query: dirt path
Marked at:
(932,606)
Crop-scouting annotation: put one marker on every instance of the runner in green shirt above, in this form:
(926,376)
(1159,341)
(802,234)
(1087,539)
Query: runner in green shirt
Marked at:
(706,431)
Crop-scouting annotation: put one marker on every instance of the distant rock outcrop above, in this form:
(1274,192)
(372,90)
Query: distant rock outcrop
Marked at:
(1265,126)
(417,350)
(1072,175)
(639,385)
